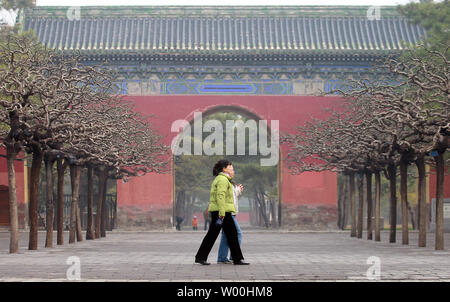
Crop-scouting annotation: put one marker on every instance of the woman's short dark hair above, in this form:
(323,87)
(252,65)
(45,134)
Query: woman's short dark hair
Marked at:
(218,167)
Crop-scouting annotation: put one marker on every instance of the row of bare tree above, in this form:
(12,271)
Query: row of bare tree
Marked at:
(57,109)
(383,126)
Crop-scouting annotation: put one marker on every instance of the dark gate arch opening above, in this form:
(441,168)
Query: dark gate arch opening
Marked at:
(260,203)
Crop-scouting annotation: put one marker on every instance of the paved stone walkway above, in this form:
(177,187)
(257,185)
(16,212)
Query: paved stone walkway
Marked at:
(274,256)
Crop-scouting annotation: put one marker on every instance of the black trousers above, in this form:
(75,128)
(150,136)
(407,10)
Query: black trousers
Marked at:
(213,232)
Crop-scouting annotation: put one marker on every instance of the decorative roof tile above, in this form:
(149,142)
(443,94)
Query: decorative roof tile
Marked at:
(205,32)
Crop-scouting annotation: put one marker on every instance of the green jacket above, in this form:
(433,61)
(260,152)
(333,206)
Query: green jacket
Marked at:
(221,196)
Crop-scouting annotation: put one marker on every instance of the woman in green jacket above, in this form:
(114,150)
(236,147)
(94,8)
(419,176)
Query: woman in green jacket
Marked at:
(221,207)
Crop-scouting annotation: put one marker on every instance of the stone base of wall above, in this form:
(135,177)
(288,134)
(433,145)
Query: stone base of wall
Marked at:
(309,217)
(137,218)
(294,217)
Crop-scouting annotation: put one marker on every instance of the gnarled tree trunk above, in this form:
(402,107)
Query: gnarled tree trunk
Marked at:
(33,203)
(342,204)
(75,172)
(369,204)
(90,216)
(259,196)
(404,198)
(101,191)
(420,162)
(440,170)
(351,179)
(60,167)
(12,149)
(360,204)
(12,195)
(392,170)
(104,211)
(78,221)
(377,205)
(49,216)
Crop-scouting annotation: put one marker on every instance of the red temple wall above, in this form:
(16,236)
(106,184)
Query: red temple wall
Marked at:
(433,185)
(308,200)
(151,196)
(20,189)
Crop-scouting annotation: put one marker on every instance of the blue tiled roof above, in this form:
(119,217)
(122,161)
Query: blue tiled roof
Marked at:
(212,33)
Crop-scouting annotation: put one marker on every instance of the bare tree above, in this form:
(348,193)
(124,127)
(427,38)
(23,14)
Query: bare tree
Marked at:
(348,141)
(20,84)
(412,109)
(57,108)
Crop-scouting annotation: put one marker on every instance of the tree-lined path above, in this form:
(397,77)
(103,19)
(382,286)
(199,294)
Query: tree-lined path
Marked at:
(169,256)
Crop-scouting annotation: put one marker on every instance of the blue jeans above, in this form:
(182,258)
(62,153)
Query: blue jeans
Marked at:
(224,248)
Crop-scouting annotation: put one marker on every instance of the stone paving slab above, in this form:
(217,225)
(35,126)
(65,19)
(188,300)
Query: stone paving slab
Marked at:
(274,256)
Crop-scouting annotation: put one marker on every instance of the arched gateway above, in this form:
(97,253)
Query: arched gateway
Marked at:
(309,197)
(174,61)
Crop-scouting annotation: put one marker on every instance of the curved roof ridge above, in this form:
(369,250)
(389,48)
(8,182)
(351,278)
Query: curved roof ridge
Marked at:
(200,34)
(272,10)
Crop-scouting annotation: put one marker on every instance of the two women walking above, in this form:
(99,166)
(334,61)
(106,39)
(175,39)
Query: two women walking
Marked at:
(222,207)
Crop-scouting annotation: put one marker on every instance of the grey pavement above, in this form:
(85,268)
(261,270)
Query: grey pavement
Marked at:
(274,256)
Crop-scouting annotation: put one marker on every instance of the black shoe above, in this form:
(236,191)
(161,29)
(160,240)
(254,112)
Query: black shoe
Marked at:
(241,262)
(202,262)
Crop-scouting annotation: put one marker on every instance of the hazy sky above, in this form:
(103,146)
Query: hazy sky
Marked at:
(221,2)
